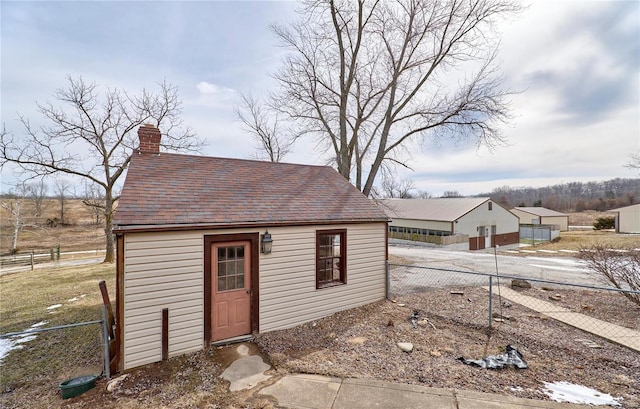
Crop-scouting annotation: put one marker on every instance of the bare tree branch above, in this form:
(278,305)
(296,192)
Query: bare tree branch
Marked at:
(271,139)
(15,209)
(91,134)
(366,78)
(634,162)
(619,266)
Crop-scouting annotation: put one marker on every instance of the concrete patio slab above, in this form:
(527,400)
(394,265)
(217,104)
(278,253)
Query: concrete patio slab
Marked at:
(304,391)
(365,394)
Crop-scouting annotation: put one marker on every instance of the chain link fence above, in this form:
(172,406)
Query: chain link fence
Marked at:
(482,299)
(42,356)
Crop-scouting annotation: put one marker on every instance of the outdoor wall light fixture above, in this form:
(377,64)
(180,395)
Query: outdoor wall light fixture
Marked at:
(266,242)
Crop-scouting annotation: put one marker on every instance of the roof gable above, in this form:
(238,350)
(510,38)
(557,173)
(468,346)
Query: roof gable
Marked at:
(634,206)
(175,189)
(442,209)
(540,211)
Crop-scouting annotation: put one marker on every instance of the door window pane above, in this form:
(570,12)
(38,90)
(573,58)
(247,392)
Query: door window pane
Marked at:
(231,268)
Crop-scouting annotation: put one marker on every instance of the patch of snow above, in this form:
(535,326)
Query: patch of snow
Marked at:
(9,344)
(72,299)
(6,345)
(570,392)
(54,306)
(558,268)
(25,338)
(39,324)
(83,295)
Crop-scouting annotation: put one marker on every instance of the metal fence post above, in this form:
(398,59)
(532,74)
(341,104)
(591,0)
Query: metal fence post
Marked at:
(490,299)
(387,279)
(105,343)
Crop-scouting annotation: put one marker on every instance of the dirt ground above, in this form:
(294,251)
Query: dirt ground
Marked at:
(187,381)
(361,343)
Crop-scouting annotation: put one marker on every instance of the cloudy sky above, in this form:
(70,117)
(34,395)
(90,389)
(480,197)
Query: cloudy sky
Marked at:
(577,64)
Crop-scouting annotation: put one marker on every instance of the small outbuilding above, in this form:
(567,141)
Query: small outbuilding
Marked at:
(627,219)
(542,215)
(474,222)
(216,249)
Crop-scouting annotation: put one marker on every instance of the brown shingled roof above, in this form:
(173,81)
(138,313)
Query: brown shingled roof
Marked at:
(172,189)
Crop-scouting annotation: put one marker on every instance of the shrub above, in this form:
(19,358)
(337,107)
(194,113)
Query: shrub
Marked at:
(602,223)
(620,266)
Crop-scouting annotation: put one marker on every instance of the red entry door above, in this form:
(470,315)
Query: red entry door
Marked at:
(231,312)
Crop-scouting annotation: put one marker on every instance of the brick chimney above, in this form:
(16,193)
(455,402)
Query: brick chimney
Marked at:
(149,137)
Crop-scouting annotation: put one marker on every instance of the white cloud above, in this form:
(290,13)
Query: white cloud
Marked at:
(208,88)
(573,121)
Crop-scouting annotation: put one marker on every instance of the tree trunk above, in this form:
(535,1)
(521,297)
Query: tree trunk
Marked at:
(14,240)
(62,209)
(109,256)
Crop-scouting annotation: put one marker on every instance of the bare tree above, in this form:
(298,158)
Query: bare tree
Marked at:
(62,190)
(19,217)
(620,266)
(394,187)
(272,141)
(367,78)
(37,193)
(634,162)
(451,193)
(94,201)
(90,135)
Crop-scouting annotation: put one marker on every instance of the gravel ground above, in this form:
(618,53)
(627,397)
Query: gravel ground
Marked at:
(608,306)
(361,343)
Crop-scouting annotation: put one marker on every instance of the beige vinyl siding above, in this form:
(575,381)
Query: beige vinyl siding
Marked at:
(505,221)
(162,270)
(166,270)
(288,294)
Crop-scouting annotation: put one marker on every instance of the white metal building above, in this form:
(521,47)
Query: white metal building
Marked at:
(628,219)
(542,215)
(478,221)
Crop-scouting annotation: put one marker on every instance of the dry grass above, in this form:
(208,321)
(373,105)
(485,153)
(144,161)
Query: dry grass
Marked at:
(575,240)
(33,372)
(586,218)
(79,234)
(29,377)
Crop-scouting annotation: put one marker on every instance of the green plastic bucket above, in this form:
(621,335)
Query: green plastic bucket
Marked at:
(77,386)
